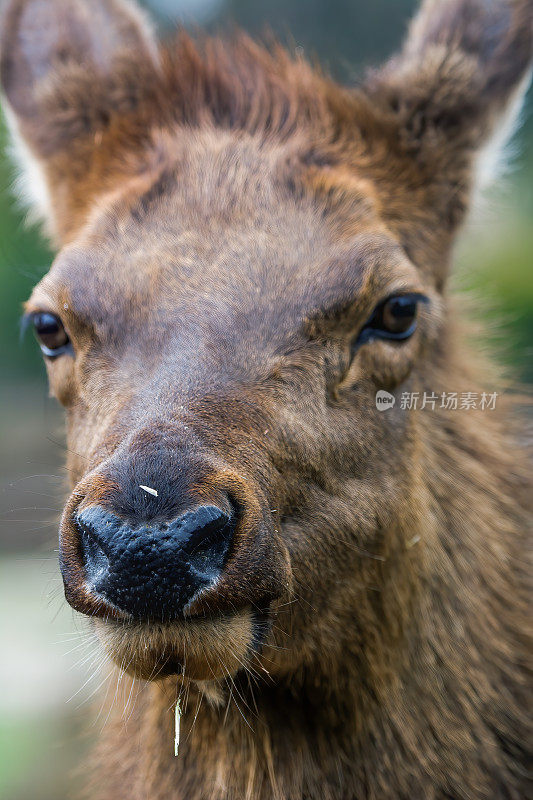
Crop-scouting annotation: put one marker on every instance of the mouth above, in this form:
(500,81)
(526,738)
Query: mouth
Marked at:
(190,596)
(199,648)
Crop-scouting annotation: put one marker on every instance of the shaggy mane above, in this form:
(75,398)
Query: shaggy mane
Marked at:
(240,84)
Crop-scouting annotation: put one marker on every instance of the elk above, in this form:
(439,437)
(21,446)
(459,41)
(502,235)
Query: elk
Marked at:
(247,253)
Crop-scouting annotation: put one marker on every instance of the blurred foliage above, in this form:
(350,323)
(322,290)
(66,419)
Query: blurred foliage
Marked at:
(344,34)
(24,259)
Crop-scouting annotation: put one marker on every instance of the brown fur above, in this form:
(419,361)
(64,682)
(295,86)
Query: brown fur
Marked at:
(228,219)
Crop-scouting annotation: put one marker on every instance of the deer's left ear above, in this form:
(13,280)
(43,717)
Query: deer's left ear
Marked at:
(448,103)
(67,68)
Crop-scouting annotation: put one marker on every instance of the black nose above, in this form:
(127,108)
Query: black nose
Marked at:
(153,571)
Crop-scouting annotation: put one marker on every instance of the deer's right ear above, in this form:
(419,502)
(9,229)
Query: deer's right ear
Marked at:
(445,108)
(61,67)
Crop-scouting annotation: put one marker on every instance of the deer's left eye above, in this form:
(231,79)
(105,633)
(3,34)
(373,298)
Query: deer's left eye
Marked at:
(395,318)
(51,335)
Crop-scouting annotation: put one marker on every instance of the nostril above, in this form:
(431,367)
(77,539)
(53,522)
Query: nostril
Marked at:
(95,558)
(210,532)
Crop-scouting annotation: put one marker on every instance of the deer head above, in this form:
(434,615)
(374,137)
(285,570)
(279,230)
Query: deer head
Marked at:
(247,254)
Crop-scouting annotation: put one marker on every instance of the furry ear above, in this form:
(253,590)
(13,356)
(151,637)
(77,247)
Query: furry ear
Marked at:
(62,67)
(450,100)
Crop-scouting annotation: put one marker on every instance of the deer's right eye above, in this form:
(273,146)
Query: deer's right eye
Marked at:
(394,319)
(51,335)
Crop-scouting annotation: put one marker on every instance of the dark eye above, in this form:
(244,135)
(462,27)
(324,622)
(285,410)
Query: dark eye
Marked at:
(394,319)
(51,335)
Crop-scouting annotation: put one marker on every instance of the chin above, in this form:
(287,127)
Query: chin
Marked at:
(198,648)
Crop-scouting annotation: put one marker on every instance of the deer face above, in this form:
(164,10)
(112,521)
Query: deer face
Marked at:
(223,311)
(220,328)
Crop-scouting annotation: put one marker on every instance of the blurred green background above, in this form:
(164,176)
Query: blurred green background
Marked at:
(46,673)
